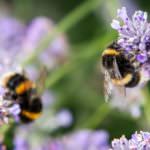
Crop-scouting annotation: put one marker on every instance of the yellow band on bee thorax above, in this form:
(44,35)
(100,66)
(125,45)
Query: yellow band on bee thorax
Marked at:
(31,115)
(123,81)
(110,51)
(24,86)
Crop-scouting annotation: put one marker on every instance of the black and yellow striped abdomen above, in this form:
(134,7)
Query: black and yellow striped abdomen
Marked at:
(129,80)
(129,76)
(31,109)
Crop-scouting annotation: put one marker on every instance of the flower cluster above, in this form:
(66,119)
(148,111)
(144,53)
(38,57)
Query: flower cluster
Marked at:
(134,34)
(138,141)
(87,140)
(57,50)
(8,108)
(79,140)
(11,36)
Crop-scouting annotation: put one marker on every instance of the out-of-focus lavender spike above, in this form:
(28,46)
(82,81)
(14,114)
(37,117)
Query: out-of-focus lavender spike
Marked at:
(11,36)
(37,29)
(55,145)
(7,107)
(14,110)
(20,143)
(142,57)
(55,53)
(18,42)
(64,118)
(82,140)
(11,33)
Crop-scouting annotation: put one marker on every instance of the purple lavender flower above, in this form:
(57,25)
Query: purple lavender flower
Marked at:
(2,146)
(79,140)
(55,145)
(50,57)
(134,33)
(20,143)
(11,33)
(37,29)
(7,107)
(82,140)
(64,118)
(57,50)
(138,141)
(134,39)
(11,36)
(17,40)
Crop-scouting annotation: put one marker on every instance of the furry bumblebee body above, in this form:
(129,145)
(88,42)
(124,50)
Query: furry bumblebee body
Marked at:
(24,92)
(129,74)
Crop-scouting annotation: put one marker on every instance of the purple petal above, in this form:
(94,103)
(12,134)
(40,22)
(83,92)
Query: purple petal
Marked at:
(141,58)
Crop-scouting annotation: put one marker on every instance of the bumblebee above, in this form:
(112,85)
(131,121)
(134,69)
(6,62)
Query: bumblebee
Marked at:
(23,91)
(120,70)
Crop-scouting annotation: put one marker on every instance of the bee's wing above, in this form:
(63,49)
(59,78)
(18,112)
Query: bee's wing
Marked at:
(107,86)
(41,79)
(121,90)
(118,75)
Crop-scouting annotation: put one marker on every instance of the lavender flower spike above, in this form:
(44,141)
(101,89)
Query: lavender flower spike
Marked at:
(138,141)
(134,33)
(7,108)
(81,140)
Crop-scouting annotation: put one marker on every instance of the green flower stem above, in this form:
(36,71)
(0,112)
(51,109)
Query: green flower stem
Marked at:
(89,51)
(57,75)
(96,118)
(69,21)
(147,105)
(92,49)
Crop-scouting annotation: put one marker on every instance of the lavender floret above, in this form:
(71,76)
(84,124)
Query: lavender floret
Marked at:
(138,141)
(134,33)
